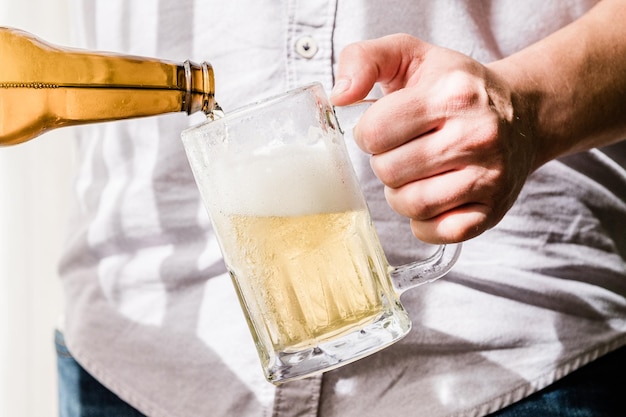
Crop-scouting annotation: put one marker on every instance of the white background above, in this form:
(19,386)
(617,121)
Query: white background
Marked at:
(34,189)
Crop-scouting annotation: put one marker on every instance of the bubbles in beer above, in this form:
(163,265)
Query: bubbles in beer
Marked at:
(312,277)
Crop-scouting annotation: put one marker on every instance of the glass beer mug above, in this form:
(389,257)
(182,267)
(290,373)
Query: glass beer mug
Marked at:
(297,238)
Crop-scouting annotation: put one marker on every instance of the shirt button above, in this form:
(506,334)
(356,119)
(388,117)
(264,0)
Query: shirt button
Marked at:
(306,47)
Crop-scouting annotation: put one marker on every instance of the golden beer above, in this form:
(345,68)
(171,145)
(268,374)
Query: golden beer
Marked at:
(311,277)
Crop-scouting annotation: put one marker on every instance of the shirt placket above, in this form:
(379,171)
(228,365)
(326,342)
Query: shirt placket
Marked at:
(299,398)
(310,42)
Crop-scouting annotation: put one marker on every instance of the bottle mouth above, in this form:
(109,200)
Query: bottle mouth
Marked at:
(186,107)
(208,85)
(198,96)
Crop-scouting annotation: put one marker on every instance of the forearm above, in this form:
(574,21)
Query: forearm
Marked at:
(571,86)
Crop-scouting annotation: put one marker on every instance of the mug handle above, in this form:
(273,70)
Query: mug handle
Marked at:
(414,274)
(411,275)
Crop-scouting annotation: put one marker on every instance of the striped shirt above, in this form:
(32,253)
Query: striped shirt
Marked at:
(150,309)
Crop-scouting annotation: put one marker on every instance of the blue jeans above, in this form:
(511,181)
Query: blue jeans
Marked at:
(80,395)
(596,390)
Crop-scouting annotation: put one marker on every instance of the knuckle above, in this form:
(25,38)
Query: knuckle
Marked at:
(461,91)
(419,209)
(353,50)
(370,135)
(407,204)
(385,170)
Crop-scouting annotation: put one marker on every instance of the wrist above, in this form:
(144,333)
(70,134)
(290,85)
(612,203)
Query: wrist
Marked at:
(543,116)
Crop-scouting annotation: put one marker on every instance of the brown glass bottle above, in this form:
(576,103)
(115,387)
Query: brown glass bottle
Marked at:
(43,87)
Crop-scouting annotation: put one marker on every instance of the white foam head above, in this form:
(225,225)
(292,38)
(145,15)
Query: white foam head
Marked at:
(285,180)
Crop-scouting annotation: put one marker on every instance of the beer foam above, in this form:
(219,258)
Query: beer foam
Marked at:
(286,180)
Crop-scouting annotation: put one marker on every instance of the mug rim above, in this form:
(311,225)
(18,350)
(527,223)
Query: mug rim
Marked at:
(238,112)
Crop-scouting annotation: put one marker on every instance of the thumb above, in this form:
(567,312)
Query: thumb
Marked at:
(388,60)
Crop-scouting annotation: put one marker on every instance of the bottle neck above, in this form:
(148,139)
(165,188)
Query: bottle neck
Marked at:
(199,88)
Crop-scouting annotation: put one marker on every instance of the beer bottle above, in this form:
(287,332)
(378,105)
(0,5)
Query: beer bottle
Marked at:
(43,87)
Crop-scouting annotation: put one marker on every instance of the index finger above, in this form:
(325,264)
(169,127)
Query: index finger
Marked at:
(387,60)
(394,120)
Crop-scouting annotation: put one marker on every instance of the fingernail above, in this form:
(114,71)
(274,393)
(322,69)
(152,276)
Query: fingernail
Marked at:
(342,85)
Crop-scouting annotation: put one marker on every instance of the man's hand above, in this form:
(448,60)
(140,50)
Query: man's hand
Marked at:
(445,139)
(454,141)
